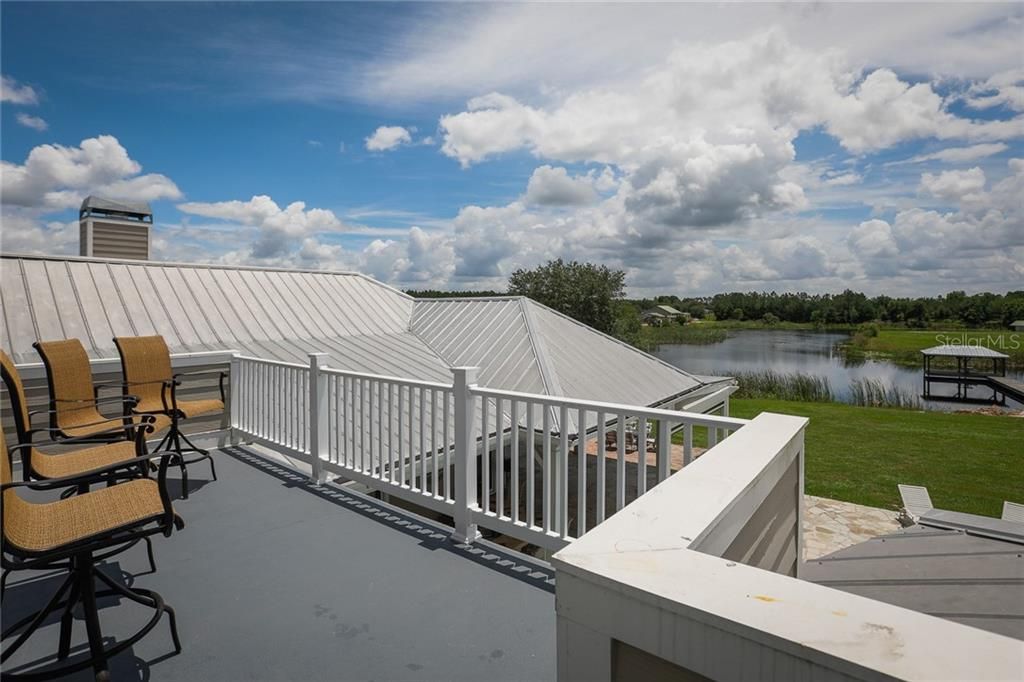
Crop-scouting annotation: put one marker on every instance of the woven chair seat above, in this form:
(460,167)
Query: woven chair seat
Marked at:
(41,527)
(191,408)
(162,422)
(48,465)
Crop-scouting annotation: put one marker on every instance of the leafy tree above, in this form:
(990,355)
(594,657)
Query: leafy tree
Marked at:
(583,291)
(627,322)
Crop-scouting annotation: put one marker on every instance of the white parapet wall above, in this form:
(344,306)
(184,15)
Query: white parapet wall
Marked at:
(697,580)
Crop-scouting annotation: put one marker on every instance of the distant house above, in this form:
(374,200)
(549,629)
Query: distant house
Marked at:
(1017,326)
(662,314)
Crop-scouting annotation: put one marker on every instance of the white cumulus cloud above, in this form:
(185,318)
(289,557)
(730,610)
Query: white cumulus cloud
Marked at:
(14,93)
(55,177)
(277,229)
(386,138)
(954,185)
(34,122)
(550,186)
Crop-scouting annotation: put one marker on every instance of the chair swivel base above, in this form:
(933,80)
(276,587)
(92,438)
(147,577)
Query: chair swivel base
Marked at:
(97,558)
(81,585)
(172,442)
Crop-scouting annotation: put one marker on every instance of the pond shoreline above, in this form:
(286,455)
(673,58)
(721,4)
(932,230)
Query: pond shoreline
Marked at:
(810,365)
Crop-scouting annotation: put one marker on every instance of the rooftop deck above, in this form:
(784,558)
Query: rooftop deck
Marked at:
(274,578)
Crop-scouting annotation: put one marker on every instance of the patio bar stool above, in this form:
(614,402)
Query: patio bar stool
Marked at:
(74,398)
(146,364)
(71,534)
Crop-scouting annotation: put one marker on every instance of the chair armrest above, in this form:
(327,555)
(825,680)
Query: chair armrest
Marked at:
(91,438)
(205,372)
(130,399)
(67,481)
(92,474)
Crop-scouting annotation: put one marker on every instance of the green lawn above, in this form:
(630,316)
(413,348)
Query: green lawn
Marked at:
(904,345)
(970,463)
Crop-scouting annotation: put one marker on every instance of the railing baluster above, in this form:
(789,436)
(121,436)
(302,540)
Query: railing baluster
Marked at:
(262,420)
(412,439)
(283,427)
(485,440)
(547,475)
(423,441)
(435,453)
(400,431)
(602,447)
(620,463)
(514,431)
(581,474)
(687,444)
(446,397)
(641,469)
(562,487)
(391,433)
(499,456)
(664,450)
(358,410)
(365,417)
(531,467)
(332,413)
(374,426)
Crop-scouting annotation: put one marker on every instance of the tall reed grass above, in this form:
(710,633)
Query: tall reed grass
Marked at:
(877,393)
(800,386)
(779,386)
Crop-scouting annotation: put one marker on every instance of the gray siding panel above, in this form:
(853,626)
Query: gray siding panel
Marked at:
(768,539)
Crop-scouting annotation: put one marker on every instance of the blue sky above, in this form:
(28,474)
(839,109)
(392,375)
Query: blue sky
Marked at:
(701,148)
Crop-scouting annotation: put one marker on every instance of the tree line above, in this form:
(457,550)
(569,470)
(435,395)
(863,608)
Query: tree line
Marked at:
(595,295)
(852,308)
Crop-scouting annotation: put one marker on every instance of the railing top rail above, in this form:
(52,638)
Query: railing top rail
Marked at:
(420,383)
(277,363)
(597,406)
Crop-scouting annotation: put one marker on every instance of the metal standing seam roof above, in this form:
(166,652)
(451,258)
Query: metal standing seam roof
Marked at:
(963,351)
(362,325)
(951,574)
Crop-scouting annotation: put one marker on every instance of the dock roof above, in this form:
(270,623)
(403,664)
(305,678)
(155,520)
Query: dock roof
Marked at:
(963,351)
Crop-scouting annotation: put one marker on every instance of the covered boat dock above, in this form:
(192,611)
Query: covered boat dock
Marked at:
(967,367)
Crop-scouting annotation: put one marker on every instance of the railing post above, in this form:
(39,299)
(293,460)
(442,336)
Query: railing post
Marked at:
(235,406)
(318,421)
(466,502)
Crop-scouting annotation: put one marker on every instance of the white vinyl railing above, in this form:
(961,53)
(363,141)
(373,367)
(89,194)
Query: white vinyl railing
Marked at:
(554,467)
(538,468)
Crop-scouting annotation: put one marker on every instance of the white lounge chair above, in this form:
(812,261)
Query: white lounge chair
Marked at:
(1013,512)
(916,500)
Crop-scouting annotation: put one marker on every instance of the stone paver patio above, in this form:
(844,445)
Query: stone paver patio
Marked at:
(831,525)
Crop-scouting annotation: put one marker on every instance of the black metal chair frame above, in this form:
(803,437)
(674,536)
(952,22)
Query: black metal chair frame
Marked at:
(81,557)
(110,475)
(172,440)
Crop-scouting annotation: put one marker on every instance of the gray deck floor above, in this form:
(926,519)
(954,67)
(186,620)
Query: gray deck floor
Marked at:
(275,579)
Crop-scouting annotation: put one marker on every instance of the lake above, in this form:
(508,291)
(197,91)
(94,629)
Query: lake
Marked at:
(810,352)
